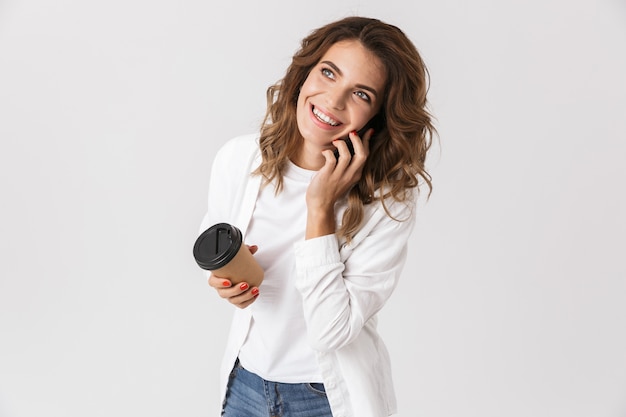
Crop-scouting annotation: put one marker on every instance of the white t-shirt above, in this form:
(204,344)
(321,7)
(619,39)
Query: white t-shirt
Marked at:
(276,347)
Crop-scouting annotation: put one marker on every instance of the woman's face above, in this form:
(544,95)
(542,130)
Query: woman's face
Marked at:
(340,94)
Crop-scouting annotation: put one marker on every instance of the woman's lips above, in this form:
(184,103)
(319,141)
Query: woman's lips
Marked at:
(324,119)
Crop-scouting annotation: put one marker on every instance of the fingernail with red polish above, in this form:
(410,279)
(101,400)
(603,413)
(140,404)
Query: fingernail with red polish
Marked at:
(354,132)
(243,286)
(226,283)
(255,291)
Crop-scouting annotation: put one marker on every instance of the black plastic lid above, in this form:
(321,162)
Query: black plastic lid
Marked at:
(217,246)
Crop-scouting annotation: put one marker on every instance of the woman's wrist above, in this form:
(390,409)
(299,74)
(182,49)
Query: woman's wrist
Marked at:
(320,223)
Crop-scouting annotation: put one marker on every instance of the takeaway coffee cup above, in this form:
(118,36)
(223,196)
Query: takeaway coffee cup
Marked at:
(220,249)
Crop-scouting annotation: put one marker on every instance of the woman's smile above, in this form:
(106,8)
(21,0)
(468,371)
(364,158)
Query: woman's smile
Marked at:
(324,118)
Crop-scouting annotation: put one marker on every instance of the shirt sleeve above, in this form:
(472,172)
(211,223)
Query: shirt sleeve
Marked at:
(229,178)
(341,295)
(230,173)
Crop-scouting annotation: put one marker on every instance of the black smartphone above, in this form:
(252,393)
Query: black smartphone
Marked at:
(361,132)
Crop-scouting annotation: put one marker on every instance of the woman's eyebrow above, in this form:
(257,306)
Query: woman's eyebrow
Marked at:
(338,71)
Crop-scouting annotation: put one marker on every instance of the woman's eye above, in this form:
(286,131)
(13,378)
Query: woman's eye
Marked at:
(362,95)
(328,73)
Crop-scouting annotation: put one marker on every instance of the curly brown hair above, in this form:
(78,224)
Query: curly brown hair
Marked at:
(403,134)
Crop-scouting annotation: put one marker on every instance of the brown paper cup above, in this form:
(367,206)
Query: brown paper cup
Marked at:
(220,249)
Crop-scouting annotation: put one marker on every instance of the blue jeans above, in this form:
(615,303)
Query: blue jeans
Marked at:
(249,395)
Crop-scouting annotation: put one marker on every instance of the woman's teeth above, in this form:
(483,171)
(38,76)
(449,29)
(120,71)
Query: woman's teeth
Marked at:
(324,118)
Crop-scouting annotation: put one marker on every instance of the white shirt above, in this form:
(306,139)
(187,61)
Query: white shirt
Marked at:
(342,286)
(276,348)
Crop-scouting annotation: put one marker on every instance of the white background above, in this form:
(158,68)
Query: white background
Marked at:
(513,302)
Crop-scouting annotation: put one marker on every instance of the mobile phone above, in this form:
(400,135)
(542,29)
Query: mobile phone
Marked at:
(346,139)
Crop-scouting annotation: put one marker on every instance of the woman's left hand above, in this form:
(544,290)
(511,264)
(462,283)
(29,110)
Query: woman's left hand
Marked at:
(333,181)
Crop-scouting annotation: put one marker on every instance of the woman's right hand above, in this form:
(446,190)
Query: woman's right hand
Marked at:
(240,295)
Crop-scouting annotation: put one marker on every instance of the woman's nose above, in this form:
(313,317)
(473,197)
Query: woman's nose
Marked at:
(336,98)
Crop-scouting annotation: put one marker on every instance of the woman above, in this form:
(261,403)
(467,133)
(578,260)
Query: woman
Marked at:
(330,229)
